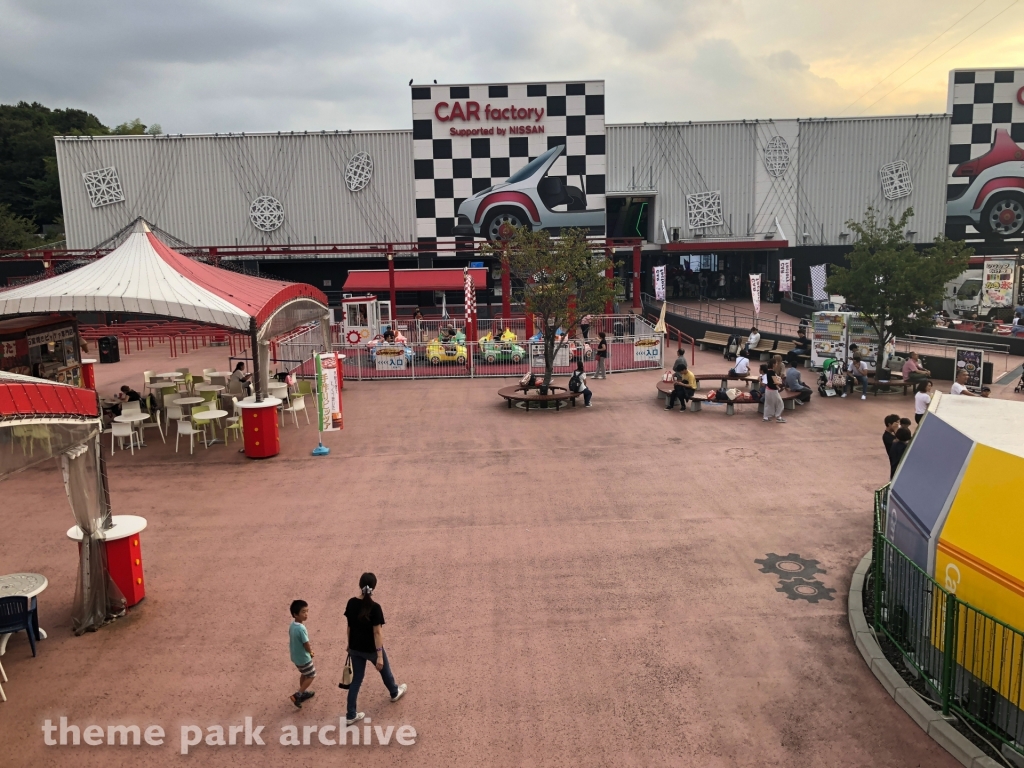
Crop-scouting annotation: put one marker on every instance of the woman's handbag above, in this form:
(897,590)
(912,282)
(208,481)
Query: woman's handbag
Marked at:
(346,674)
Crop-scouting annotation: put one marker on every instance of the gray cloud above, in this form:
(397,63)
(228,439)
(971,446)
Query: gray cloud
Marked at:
(229,65)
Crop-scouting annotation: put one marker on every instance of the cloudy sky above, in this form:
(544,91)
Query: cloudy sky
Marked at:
(256,65)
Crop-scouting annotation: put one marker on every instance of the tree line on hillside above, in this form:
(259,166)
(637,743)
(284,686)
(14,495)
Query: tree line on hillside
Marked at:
(30,205)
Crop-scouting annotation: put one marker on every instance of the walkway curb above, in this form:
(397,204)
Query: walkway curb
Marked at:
(930,721)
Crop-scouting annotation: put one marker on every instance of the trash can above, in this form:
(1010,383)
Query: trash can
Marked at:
(259,428)
(110,350)
(124,555)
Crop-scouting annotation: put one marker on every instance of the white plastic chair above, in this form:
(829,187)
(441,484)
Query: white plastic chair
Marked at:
(208,371)
(154,421)
(298,404)
(134,406)
(121,431)
(185,428)
(173,412)
(146,377)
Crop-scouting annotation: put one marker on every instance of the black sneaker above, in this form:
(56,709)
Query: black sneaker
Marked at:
(294,699)
(307,695)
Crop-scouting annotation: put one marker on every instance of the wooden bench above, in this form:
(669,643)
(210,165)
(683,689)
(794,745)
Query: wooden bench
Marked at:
(764,349)
(789,399)
(894,383)
(783,347)
(556,395)
(714,339)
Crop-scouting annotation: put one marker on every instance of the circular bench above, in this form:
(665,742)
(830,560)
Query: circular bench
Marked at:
(520,394)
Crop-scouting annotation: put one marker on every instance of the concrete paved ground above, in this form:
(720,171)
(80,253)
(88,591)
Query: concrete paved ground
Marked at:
(560,589)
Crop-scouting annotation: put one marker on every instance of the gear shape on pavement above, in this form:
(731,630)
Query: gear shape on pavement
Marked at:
(810,590)
(789,566)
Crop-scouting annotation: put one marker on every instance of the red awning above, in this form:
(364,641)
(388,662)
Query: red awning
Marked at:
(27,396)
(376,280)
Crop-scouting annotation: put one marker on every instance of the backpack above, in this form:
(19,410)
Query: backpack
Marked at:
(575,384)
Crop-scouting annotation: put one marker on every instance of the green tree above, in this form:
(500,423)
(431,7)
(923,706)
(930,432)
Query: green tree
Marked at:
(28,168)
(16,232)
(564,281)
(893,284)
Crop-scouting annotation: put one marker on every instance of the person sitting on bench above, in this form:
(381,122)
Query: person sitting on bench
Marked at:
(795,384)
(684,385)
(752,341)
(742,367)
(803,344)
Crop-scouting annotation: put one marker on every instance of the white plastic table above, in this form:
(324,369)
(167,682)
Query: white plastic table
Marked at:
(210,415)
(21,585)
(171,375)
(188,400)
(133,419)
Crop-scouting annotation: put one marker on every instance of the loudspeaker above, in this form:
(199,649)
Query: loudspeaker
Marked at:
(109,350)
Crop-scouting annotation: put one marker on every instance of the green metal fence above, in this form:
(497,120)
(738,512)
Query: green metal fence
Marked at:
(971,663)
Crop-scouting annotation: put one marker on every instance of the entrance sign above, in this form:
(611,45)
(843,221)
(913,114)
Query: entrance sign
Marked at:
(328,392)
(389,358)
(647,350)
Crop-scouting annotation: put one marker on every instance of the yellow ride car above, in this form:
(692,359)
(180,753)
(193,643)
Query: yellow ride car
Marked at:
(450,352)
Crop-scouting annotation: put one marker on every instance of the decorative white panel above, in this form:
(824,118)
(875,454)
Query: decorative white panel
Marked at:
(896,181)
(358,171)
(266,213)
(776,157)
(704,209)
(103,187)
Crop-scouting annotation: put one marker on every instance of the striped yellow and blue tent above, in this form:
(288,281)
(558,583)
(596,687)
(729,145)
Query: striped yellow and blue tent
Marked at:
(955,505)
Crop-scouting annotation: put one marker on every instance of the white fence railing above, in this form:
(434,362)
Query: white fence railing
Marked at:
(434,360)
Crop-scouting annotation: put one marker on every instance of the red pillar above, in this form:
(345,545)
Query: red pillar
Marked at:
(506,290)
(391,283)
(636,277)
(529,325)
(609,306)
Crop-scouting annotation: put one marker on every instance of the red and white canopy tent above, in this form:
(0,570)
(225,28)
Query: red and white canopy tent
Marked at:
(52,420)
(145,276)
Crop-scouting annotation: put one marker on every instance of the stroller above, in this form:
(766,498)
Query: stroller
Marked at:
(732,348)
(832,377)
(1020,384)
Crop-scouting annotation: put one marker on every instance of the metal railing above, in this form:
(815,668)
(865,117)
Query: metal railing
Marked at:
(434,360)
(970,662)
(727,315)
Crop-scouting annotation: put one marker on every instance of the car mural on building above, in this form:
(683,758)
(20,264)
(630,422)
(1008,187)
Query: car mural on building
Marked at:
(529,198)
(993,201)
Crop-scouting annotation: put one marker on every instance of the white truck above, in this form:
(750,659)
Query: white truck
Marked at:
(987,293)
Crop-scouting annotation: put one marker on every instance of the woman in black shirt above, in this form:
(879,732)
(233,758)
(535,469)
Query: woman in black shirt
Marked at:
(602,356)
(366,643)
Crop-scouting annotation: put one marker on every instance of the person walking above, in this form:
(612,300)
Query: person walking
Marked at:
(301,651)
(922,399)
(773,405)
(602,356)
(899,447)
(585,325)
(366,644)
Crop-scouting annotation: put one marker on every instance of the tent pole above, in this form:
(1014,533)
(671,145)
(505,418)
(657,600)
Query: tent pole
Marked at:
(254,343)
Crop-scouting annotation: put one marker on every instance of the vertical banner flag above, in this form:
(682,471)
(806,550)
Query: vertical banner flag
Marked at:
(659,283)
(996,283)
(818,280)
(328,392)
(470,301)
(755,291)
(785,275)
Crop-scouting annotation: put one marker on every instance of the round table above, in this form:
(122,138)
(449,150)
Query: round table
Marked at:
(259,427)
(266,400)
(210,415)
(133,418)
(187,400)
(21,585)
(171,375)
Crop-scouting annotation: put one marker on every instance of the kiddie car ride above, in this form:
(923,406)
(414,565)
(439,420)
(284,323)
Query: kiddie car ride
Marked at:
(446,352)
(993,201)
(528,198)
(501,351)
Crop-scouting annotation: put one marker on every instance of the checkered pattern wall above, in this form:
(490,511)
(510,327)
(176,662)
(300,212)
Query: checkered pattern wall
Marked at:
(448,168)
(982,101)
